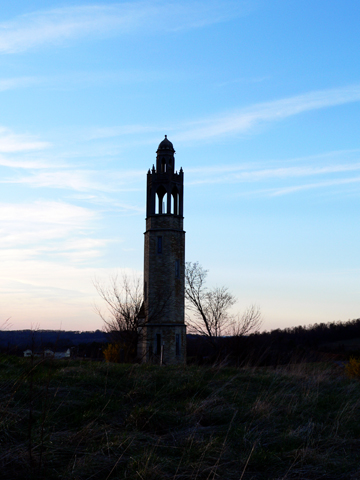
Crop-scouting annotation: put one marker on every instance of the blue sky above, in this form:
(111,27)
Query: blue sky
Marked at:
(261,101)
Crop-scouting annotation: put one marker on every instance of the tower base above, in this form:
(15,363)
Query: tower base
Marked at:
(162,344)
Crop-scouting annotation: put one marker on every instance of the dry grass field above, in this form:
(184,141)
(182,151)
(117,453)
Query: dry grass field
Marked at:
(94,420)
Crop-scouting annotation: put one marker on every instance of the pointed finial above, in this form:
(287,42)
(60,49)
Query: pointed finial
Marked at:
(153,168)
(181,170)
(149,171)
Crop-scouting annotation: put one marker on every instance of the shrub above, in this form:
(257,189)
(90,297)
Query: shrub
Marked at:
(112,353)
(353,367)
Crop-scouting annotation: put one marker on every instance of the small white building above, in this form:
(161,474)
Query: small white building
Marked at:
(63,354)
(48,354)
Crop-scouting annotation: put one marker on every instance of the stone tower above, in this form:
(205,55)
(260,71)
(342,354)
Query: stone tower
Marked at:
(162,330)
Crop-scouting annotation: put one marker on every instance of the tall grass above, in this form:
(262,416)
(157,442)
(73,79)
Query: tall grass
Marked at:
(111,421)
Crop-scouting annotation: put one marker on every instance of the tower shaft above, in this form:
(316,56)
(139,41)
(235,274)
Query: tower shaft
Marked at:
(163,334)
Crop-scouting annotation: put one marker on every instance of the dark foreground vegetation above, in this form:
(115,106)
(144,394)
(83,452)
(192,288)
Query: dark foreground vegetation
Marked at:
(94,420)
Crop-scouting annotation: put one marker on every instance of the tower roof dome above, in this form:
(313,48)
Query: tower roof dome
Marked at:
(166,145)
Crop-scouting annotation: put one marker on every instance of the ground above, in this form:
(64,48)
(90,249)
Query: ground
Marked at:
(95,420)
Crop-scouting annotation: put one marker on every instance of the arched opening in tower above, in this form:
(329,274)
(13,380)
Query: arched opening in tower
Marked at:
(161,200)
(175,203)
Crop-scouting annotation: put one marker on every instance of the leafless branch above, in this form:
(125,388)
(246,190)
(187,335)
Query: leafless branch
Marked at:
(123,299)
(208,310)
(250,321)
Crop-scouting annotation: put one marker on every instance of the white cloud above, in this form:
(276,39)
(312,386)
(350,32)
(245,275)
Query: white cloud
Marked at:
(45,212)
(85,78)
(241,121)
(11,142)
(325,168)
(68,179)
(235,174)
(57,25)
(29,230)
(19,82)
(327,183)
(243,80)
(79,180)
(244,120)
(289,172)
(25,164)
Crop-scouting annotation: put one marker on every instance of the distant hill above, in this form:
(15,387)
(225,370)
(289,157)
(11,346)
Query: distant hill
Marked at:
(23,339)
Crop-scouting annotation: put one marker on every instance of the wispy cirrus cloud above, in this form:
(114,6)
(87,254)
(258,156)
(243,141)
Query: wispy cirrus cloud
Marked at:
(236,174)
(304,173)
(11,142)
(48,228)
(237,122)
(31,223)
(79,180)
(276,192)
(243,81)
(52,212)
(17,82)
(87,78)
(55,26)
(31,163)
(246,119)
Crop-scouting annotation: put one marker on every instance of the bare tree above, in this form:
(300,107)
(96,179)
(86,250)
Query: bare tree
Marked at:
(123,299)
(6,325)
(209,309)
(126,313)
(249,322)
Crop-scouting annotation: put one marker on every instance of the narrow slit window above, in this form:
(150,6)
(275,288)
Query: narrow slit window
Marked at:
(159,244)
(177,268)
(177,344)
(158,344)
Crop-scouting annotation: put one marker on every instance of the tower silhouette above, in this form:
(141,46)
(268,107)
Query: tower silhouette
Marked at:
(162,328)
